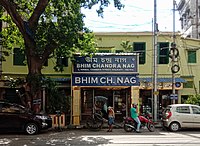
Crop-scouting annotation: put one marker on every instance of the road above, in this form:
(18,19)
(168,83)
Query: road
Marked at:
(83,137)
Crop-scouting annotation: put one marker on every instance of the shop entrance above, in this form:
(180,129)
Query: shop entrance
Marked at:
(146,101)
(118,98)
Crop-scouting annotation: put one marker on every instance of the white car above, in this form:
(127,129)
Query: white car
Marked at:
(179,116)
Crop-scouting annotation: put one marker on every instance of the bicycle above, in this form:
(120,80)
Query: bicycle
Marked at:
(95,121)
(99,115)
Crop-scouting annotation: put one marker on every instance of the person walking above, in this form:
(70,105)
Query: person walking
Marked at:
(111,117)
(134,115)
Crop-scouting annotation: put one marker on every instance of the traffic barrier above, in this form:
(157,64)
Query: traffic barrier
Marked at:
(55,120)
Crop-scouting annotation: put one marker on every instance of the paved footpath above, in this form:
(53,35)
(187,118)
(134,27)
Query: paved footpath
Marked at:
(158,138)
(84,137)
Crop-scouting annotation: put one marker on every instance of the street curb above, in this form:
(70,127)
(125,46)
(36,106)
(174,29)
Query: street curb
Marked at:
(76,127)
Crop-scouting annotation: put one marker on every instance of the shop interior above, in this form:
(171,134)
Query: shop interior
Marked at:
(146,101)
(93,99)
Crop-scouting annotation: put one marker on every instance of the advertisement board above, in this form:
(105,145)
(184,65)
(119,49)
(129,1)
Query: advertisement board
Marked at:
(106,63)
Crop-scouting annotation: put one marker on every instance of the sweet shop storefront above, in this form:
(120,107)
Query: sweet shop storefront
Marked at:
(113,78)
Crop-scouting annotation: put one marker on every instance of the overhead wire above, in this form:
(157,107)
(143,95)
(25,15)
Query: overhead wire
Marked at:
(131,12)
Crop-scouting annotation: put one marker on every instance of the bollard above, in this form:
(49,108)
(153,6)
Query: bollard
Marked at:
(58,114)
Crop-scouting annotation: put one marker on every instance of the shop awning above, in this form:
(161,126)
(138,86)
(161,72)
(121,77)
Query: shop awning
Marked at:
(62,79)
(162,80)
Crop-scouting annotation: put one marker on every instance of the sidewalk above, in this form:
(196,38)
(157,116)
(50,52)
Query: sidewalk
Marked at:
(105,125)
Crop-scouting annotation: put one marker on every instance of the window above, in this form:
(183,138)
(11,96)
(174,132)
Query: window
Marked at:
(183,109)
(192,56)
(199,10)
(46,63)
(184,98)
(6,108)
(188,84)
(195,110)
(103,51)
(62,61)
(18,57)
(199,87)
(140,47)
(86,101)
(119,51)
(163,53)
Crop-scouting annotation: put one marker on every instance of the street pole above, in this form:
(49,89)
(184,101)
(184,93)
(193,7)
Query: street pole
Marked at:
(173,55)
(197,19)
(155,92)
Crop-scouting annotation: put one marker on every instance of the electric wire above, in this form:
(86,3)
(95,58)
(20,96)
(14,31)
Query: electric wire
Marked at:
(133,21)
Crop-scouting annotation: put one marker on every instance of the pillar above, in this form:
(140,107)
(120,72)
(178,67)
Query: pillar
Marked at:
(135,94)
(76,106)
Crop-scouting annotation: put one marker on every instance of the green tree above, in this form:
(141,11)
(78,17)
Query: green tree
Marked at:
(193,99)
(57,100)
(47,28)
(126,46)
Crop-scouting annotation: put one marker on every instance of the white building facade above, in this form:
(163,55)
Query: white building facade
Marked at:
(190,18)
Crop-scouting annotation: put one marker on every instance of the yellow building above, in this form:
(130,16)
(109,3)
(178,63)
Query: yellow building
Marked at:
(14,67)
(187,78)
(142,42)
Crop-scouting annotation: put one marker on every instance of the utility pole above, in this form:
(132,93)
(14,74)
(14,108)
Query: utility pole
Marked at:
(197,19)
(173,55)
(155,91)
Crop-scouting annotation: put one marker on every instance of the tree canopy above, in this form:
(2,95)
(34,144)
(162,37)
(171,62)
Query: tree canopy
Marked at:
(48,28)
(193,99)
(43,28)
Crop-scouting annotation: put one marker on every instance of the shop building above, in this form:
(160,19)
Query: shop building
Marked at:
(109,75)
(187,79)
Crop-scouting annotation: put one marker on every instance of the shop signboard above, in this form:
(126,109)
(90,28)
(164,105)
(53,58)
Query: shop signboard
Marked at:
(105,79)
(106,63)
(174,96)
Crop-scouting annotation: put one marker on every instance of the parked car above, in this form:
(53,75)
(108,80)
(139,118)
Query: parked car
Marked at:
(179,116)
(14,117)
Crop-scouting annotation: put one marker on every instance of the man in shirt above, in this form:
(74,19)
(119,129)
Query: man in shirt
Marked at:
(134,115)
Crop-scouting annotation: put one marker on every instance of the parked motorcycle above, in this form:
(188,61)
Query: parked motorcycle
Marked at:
(131,125)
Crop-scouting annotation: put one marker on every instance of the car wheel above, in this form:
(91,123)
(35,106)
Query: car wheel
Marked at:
(174,126)
(31,128)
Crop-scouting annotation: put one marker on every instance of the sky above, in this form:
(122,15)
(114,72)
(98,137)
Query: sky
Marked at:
(137,15)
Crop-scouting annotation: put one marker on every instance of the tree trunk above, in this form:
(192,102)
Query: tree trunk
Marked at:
(34,80)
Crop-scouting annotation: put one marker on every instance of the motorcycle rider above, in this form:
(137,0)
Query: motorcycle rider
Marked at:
(134,115)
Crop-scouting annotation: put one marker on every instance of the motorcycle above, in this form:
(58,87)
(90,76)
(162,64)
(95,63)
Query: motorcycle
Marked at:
(131,125)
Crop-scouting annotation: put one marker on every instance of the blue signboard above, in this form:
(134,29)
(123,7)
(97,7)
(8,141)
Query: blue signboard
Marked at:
(174,96)
(105,80)
(106,63)
(178,84)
